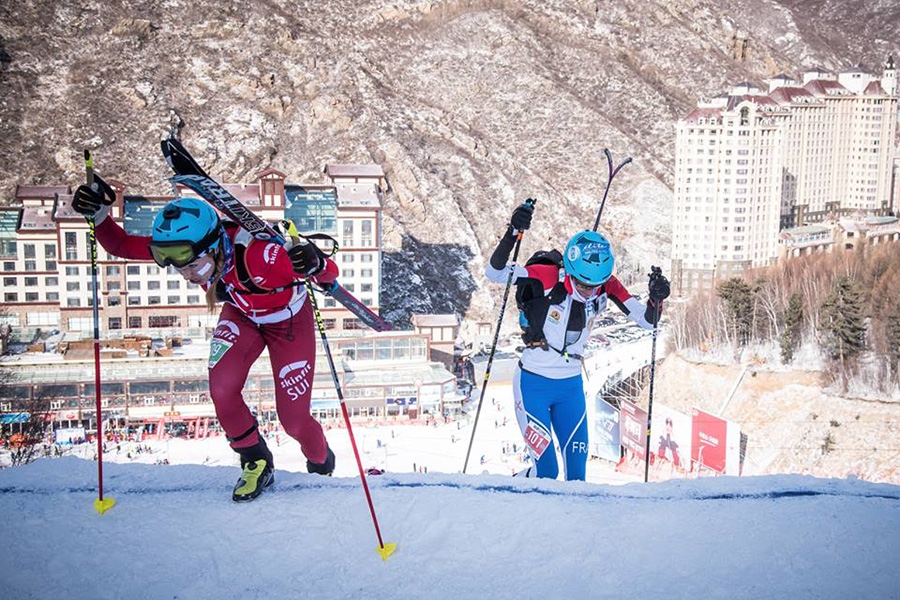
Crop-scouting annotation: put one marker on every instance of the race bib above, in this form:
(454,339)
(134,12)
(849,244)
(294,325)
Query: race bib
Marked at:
(537,438)
(217,349)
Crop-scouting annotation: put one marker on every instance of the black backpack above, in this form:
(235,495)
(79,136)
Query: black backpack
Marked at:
(531,300)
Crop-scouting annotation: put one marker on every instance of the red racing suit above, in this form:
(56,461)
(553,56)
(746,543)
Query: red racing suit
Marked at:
(265,306)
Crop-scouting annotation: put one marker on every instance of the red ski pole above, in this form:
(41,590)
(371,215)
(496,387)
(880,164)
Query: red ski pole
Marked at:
(385,550)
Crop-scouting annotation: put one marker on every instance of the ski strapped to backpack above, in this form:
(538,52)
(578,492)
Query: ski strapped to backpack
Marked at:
(190,174)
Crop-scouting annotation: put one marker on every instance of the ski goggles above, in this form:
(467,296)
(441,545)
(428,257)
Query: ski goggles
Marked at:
(181,253)
(174,254)
(585,286)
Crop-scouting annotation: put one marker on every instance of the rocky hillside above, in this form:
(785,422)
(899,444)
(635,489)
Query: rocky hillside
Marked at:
(469,105)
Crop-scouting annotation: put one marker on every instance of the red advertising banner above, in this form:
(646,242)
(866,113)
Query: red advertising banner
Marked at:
(708,437)
(633,428)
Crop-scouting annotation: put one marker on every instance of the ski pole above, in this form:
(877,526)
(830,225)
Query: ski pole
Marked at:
(487,371)
(654,271)
(384,550)
(101,504)
(612,173)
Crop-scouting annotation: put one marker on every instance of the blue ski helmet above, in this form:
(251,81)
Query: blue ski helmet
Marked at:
(589,258)
(183,230)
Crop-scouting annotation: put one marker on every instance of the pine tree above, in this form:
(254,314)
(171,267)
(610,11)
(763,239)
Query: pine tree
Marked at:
(842,324)
(893,338)
(793,321)
(738,297)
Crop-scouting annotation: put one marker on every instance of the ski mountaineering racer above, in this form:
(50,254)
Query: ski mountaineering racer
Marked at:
(558,298)
(265,305)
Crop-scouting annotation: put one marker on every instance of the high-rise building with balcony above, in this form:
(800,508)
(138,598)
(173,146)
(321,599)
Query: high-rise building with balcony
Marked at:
(753,161)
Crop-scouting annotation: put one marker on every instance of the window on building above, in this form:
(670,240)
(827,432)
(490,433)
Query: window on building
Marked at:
(31,282)
(10,297)
(173,284)
(153,300)
(73,302)
(353,324)
(9,266)
(113,300)
(80,324)
(73,286)
(134,285)
(113,286)
(42,318)
(29,250)
(10,281)
(31,265)
(173,299)
(366,233)
(52,296)
(193,299)
(134,323)
(348,233)
(163,321)
(114,323)
(133,270)
(31,296)
(49,251)
(134,300)
(112,270)
(153,285)
(51,281)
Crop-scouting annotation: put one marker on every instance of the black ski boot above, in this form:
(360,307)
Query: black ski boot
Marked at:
(325,468)
(258,472)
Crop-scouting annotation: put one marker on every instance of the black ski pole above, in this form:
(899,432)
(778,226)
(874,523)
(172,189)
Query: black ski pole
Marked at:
(487,371)
(612,173)
(654,272)
(101,504)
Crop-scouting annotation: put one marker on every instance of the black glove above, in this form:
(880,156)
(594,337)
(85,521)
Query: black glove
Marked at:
(307,258)
(88,199)
(658,288)
(521,217)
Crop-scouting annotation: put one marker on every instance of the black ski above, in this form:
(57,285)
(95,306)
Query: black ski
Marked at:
(190,174)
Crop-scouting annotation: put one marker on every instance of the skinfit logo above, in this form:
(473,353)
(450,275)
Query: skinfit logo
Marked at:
(227,330)
(293,378)
(270,253)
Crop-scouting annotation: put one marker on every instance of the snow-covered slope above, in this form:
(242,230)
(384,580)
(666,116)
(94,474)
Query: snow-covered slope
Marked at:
(174,533)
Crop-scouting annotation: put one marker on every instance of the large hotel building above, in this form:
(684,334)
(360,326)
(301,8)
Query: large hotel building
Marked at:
(45,251)
(752,163)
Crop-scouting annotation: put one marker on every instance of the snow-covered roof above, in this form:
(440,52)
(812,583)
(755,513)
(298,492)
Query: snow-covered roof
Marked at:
(336,171)
(434,320)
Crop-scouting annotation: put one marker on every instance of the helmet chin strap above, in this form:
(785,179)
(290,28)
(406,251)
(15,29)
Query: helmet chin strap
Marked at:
(226,249)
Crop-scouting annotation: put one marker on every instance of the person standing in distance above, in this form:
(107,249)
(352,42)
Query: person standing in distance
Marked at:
(264,305)
(558,297)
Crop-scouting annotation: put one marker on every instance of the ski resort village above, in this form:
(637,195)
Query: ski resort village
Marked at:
(450,299)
